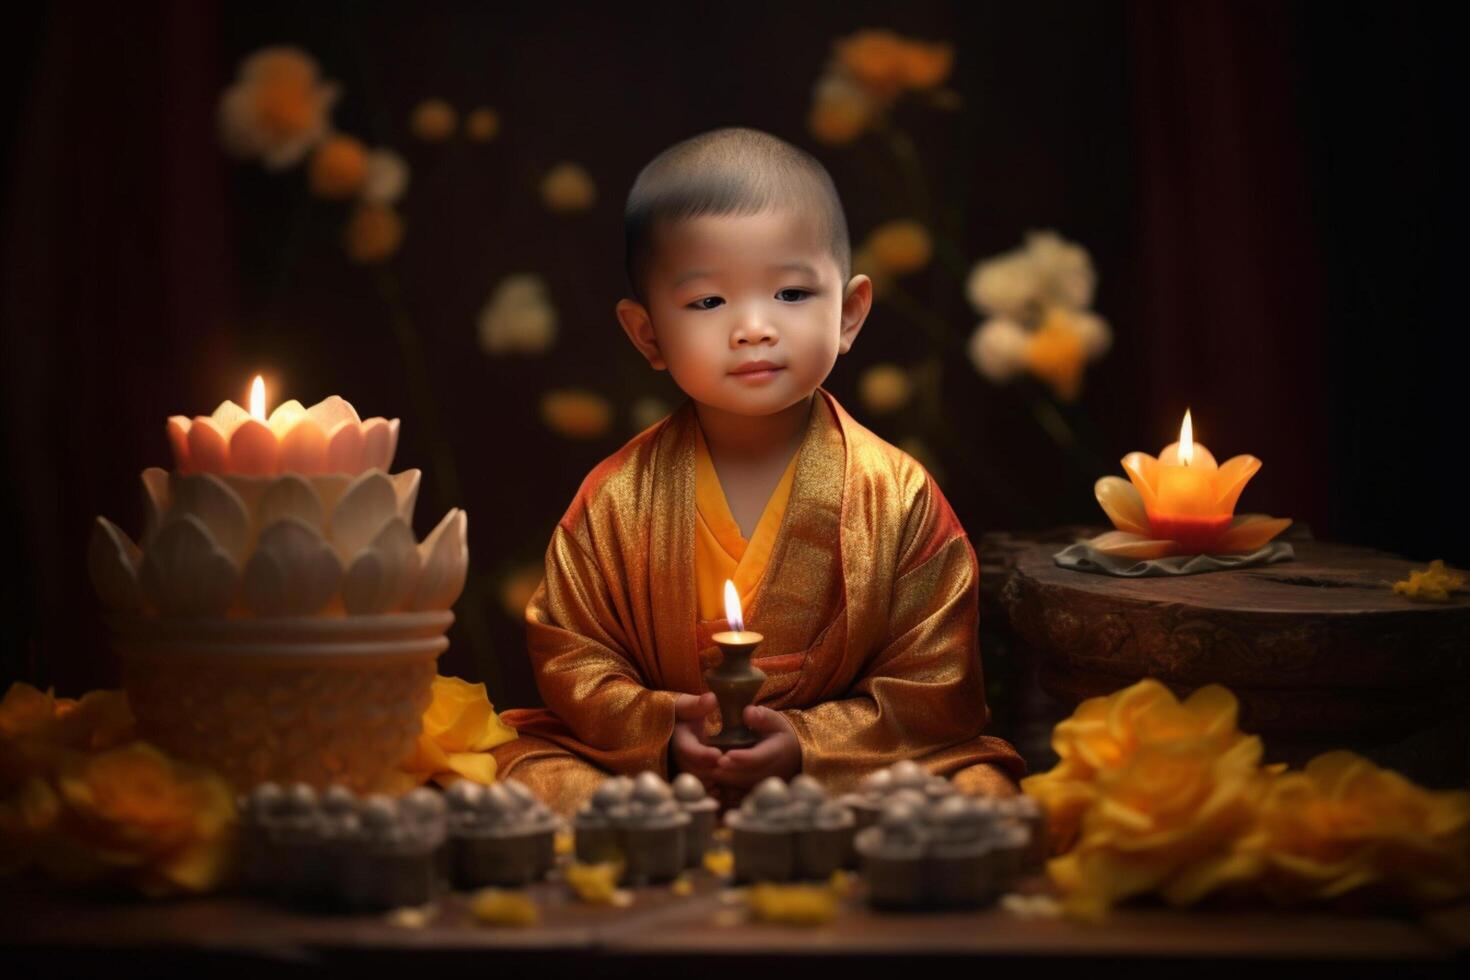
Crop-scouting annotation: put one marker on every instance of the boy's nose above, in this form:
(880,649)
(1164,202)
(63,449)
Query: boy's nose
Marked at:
(753,327)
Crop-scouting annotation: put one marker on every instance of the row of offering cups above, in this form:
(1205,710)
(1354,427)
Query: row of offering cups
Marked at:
(336,849)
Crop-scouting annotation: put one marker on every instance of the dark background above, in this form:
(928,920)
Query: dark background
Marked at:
(1273,195)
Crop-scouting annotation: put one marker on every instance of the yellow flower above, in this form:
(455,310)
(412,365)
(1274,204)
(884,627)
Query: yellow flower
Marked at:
(1433,584)
(338,167)
(900,247)
(460,729)
(568,187)
(26,710)
(793,905)
(595,884)
(165,826)
(1344,824)
(482,124)
(841,110)
(277,109)
(720,862)
(885,388)
(1103,734)
(575,413)
(373,234)
(433,120)
(517,589)
(503,908)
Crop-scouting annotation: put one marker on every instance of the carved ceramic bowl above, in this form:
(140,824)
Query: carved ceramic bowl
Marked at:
(318,700)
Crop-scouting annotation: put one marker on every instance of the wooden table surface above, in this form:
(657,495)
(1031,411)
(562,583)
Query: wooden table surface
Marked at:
(709,928)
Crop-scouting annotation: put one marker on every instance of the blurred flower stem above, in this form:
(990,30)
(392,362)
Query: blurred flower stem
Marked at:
(447,490)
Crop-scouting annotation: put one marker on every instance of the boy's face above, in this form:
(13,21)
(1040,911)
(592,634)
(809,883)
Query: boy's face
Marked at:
(727,291)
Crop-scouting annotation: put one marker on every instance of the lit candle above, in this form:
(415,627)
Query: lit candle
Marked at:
(328,437)
(1182,503)
(735,680)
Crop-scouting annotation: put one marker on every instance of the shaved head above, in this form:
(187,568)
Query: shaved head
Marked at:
(729,171)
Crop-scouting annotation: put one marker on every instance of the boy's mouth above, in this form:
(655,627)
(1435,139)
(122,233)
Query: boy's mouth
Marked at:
(757,369)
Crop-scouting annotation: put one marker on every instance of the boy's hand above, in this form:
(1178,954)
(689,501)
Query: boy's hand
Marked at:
(690,754)
(778,753)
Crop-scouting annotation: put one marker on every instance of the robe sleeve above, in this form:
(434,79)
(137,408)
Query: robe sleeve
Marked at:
(920,693)
(586,671)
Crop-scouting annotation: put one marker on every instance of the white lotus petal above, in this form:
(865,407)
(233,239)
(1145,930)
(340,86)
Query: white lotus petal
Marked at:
(382,576)
(184,573)
(446,556)
(218,507)
(376,450)
(285,416)
(332,411)
(112,562)
(365,507)
(293,571)
(330,487)
(344,448)
(392,443)
(290,496)
(406,486)
(155,499)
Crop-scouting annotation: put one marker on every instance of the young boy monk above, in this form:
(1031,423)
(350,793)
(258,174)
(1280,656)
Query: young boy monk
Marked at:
(846,555)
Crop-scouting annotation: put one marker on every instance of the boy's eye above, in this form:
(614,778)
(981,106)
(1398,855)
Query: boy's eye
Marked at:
(793,295)
(707,303)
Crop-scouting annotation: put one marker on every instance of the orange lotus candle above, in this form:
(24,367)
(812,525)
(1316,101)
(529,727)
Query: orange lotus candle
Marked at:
(1182,503)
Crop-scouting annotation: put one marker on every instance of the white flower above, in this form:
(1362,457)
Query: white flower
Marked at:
(1047,271)
(1096,336)
(387,177)
(997,348)
(518,317)
(1066,269)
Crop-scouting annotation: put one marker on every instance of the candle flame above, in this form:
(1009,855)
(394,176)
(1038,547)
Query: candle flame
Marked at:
(1186,440)
(257,398)
(732,607)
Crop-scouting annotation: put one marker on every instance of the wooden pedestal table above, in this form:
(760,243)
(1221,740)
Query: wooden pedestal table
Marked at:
(1320,651)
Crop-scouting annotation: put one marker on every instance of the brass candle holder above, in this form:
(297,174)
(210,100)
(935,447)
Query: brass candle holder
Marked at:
(735,681)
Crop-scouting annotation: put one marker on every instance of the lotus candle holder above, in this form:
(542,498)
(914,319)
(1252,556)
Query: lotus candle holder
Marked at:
(1182,503)
(281,626)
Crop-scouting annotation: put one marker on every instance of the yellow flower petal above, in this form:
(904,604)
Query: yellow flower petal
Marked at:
(1143,470)
(1125,544)
(477,766)
(495,907)
(1231,480)
(1123,504)
(1247,532)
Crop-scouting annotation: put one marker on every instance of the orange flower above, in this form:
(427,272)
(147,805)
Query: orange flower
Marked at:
(374,233)
(433,120)
(886,64)
(885,388)
(460,728)
(131,812)
(338,167)
(277,109)
(568,187)
(900,247)
(576,414)
(482,125)
(1056,354)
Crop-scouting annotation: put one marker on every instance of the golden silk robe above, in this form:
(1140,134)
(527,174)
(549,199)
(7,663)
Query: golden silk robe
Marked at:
(868,605)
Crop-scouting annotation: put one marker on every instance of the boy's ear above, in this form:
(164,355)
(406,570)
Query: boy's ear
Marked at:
(856,302)
(639,328)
